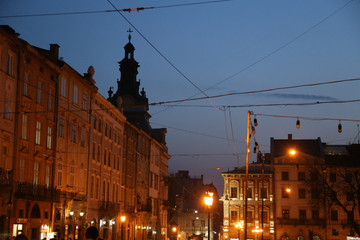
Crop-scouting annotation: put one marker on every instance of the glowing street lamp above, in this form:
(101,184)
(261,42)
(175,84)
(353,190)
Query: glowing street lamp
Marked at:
(292,152)
(208,199)
(257,231)
(238,226)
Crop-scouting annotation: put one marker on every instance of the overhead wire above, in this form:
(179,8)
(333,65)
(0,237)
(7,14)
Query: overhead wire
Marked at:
(262,91)
(137,9)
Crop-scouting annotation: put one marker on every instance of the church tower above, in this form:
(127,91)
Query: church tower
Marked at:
(127,97)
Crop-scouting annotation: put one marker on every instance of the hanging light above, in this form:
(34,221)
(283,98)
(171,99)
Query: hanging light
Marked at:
(255,121)
(253,129)
(297,123)
(339,127)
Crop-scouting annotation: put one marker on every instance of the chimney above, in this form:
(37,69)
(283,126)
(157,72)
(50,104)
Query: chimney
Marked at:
(54,51)
(289,137)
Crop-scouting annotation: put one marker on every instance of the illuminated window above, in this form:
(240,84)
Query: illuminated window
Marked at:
(36,173)
(38,133)
(49,138)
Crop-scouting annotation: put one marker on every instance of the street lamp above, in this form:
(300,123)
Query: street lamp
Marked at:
(257,231)
(292,152)
(122,219)
(208,199)
(238,226)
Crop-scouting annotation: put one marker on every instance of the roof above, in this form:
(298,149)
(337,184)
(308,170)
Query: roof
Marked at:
(281,147)
(253,169)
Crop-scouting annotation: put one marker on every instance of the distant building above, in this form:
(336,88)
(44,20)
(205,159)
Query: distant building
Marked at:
(259,205)
(323,183)
(188,215)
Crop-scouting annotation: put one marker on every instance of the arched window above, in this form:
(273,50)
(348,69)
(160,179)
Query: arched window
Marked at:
(35,212)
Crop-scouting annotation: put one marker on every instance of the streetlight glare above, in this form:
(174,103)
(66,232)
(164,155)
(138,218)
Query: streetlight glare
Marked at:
(292,152)
(208,199)
(288,190)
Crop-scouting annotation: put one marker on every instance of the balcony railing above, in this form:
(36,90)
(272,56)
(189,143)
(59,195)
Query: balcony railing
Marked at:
(296,221)
(37,192)
(73,195)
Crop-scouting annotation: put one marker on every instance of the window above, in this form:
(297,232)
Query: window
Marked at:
(84,102)
(73,133)
(7,108)
(47,177)
(72,177)
(92,187)
(82,140)
(10,64)
(284,175)
(250,192)
(334,215)
(22,170)
(38,133)
(264,193)
(286,213)
(26,84)
(332,177)
(349,196)
(105,129)
(76,92)
(265,217)
(49,138)
(156,182)
(234,216)
(97,188)
(301,176)
(109,132)
(348,177)
(302,214)
(93,150)
(285,193)
(333,195)
(59,179)
(233,192)
(95,122)
(36,173)
(314,176)
(50,102)
(63,87)
(98,153)
(249,216)
(61,127)
(99,125)
(24,127)
(315,214)
(39,90)
(109,159)
(335,232)
(104,156)
(302,193)
(315,193)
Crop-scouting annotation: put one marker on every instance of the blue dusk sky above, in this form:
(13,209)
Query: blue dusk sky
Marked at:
(199,48)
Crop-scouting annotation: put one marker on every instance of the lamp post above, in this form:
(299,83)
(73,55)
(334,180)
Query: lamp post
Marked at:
(238,226)
(208,199)
(122,219)
(256,231)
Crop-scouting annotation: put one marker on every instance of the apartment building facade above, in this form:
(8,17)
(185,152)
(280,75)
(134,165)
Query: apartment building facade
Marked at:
(71,158)
(258,204)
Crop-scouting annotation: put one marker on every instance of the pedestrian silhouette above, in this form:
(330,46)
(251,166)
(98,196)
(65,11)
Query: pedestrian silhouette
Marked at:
(91,233)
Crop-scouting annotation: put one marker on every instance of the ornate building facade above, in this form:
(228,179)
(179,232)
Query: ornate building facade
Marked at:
(71,158)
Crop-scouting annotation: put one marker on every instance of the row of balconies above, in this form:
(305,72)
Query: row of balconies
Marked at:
(298,221)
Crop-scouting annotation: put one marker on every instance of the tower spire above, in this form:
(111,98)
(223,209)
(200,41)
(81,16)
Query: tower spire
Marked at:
(129,31)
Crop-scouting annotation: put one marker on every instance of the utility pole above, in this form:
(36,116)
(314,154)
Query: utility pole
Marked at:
(247,172)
